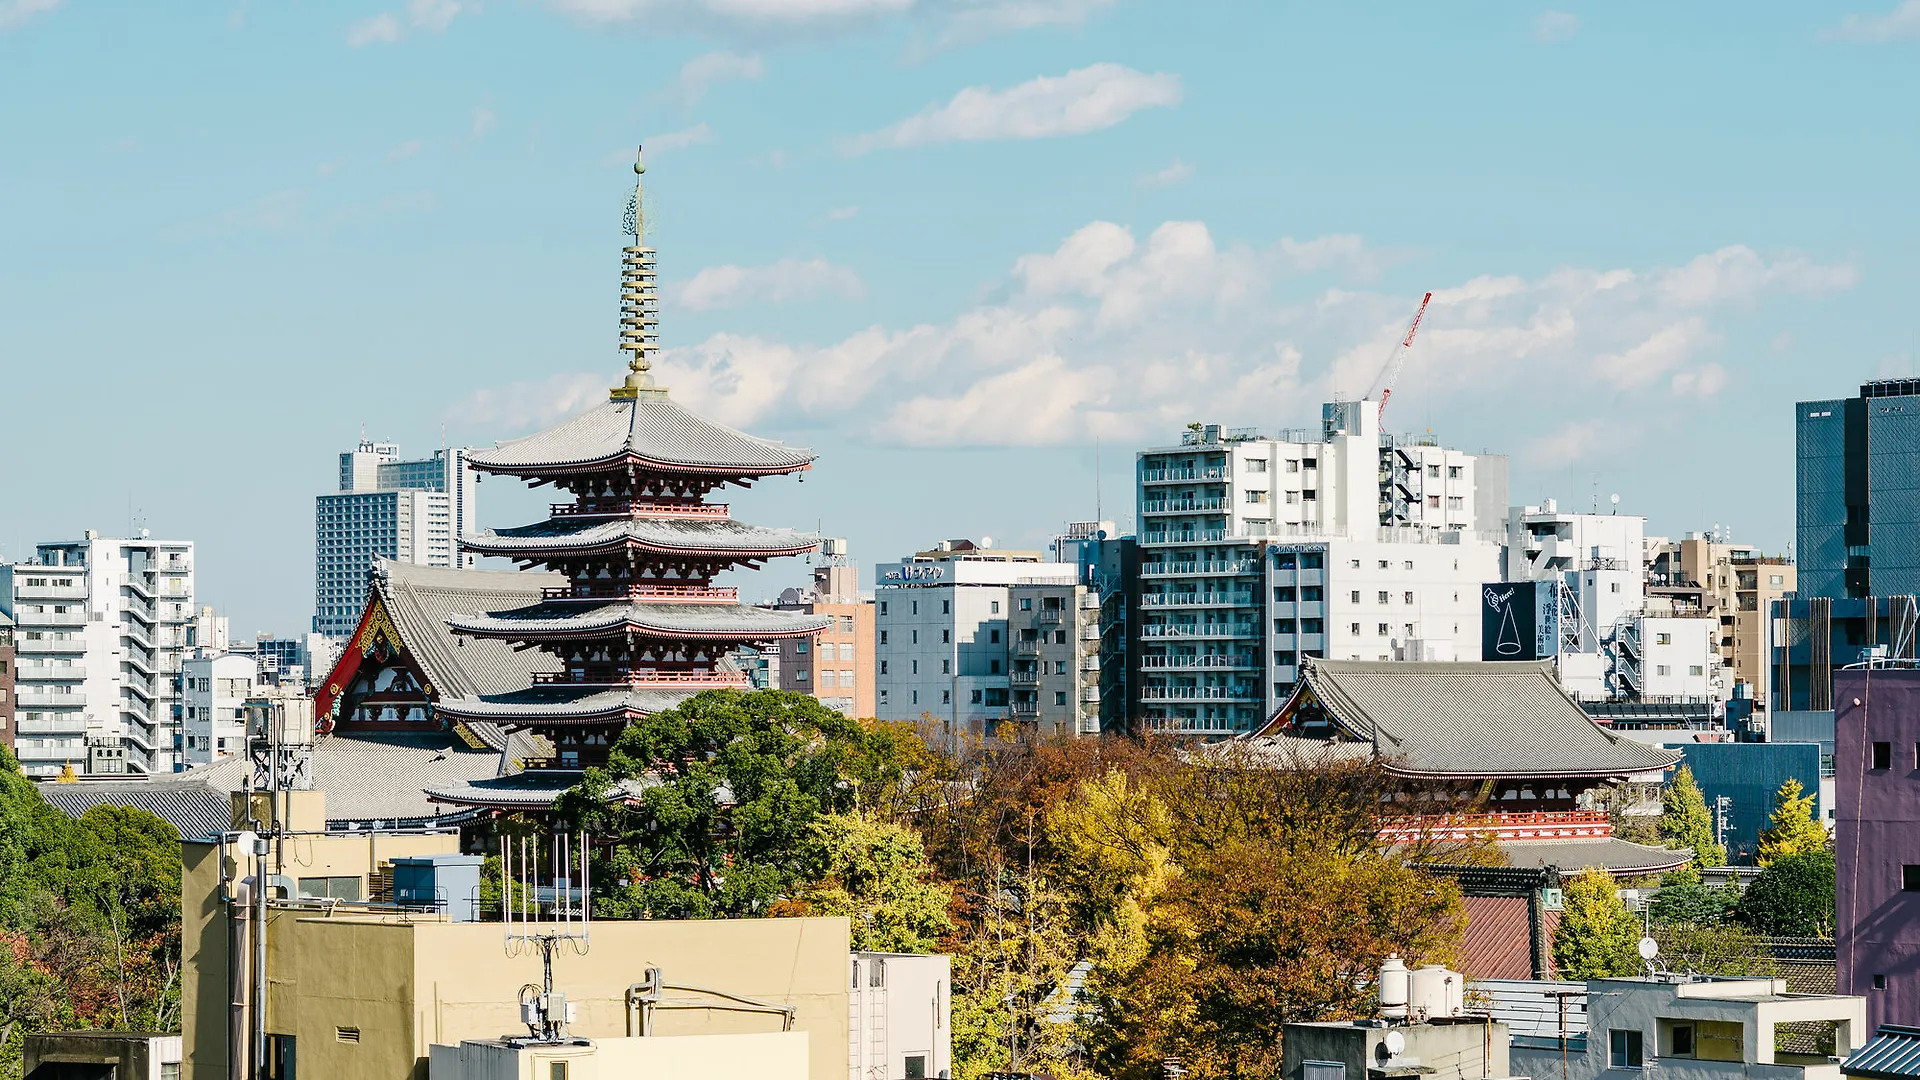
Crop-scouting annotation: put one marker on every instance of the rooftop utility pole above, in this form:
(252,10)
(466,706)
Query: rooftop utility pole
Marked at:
(1391,373)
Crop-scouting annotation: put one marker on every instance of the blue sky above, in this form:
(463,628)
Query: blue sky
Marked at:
(949,245)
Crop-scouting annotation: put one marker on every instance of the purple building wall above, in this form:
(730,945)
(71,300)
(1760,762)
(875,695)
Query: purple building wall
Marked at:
(1876,838)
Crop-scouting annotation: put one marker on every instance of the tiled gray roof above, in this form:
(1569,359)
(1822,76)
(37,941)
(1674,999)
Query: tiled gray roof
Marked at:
(651,429)
(534,788)
(1472,719)
(374,777)
(558,703)
(1609,853)
(420,599)
(668,535)
(575,619)
(196,810)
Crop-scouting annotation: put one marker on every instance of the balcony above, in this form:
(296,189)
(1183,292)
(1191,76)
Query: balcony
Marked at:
(1025,678)
(1089,633)
(1193,663)
(51,618)
(1027,709)
(51,592)
(25,645)
(33,697)
(54,672)
(1201,630)
(1199,569)
(1183,506)
(1048,617)
(1191,725)
(72,724)
(1199,693)
(1181,476)
(1196,599)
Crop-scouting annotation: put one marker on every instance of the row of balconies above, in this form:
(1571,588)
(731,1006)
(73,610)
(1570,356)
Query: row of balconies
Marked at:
(1176,476)
(1199,569)
(71,672)
(1196,599)
(1199,693)
(1182,506)
(31,697)
(1213,661)
(1201,630)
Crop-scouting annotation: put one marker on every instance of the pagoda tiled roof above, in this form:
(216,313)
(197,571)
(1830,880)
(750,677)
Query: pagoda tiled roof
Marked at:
(564,704)
(533,789)
(672,536)
(650,429)
(1460,719)
(559,618)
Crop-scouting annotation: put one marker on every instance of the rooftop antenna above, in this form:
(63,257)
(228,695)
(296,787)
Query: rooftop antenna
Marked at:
(566,926)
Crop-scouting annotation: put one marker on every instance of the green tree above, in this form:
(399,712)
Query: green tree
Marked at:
(712,804)
(1792,897)
(1597,934)
(1685,898)
(1685,822)
(1793,830)
(1714,949)
(875,874)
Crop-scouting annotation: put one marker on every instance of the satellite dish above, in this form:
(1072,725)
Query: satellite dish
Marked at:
(1615,497)
(986,541)
(1396,1042)
(1649,948)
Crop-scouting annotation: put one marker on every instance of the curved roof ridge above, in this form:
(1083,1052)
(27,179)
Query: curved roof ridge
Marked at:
(651,429)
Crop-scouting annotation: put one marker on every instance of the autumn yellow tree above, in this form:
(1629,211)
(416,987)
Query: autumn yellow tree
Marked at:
(1792,829)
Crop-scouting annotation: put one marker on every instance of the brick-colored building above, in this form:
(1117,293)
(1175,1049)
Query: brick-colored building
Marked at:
(837,665)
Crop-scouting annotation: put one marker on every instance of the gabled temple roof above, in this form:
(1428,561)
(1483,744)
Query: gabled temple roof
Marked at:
(563,619)
(1618,857)
(650,430)
(670,536)
(1460,719)
(562,703)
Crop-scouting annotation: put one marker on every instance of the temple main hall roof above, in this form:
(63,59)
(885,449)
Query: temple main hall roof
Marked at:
(650,430)
(1450,719)
(559,618)
(668,536)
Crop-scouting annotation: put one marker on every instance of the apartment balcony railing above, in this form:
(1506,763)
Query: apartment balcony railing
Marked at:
(1191,725)
(32,697)
(76,726)
(1201,630)
(1049,617)
(1183,506)
(55,672)
(1026,648)
(50,592)
(1089,633)
(1199,693)
(1026,708)
(25,645)
(1177,476)
(1196,599)
(51,618)
(1199,569)
(1190,663)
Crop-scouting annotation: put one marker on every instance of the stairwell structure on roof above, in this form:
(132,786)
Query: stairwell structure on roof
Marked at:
(640,625)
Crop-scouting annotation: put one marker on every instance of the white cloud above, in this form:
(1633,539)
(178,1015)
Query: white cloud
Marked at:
(972,21)
(1901,23)
(15,12)
(1572,442)
(1119,335)
(530,405)
(1555,26)
(737,14)
(704,72)
(483,120)
(843,213)
(386,28)
(404,151)
(1176,172)
(679,140)
(783,282)
(1089,99)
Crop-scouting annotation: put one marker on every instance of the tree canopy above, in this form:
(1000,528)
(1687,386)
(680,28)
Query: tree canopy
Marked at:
(1597,935)
(1686,823)
(1792,897)
(1793,829)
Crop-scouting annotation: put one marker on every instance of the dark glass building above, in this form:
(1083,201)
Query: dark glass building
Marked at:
(1857,477)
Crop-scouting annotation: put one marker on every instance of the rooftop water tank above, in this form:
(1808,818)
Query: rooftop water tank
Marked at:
(1393,988)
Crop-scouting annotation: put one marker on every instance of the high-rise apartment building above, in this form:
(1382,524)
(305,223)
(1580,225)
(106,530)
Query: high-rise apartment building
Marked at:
(1257,551)
(101,628)
(6,680)
(1734,584)
(953,625)
(837,665)
(410,511)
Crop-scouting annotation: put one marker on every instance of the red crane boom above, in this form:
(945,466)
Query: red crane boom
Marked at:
(1391,373)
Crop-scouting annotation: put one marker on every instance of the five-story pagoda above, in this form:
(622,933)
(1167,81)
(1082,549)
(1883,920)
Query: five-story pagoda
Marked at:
(641,626)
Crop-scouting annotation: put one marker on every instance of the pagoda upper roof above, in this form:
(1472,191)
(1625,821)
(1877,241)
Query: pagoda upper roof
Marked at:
(650,430)
(561,618)
(671,536)
(566,704)
(1444,719)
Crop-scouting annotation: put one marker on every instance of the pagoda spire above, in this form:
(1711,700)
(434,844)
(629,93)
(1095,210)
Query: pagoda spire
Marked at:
(639,295)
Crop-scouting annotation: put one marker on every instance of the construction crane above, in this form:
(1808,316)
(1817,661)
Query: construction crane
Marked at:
(1391,373)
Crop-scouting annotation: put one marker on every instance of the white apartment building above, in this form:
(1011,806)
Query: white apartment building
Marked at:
(103,626)
(1257,551)
(1600,558)
(946,624)
(899,1016)
(410,511)
(213,693)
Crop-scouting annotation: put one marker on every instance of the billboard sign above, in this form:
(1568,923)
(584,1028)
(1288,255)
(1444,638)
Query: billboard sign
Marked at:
(1520,620)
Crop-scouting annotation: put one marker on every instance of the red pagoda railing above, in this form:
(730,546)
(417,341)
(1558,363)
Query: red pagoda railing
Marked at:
(1508,825)
(641,678)
(694,594)
(637,508)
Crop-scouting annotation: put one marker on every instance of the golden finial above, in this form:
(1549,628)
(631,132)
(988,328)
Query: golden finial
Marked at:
(639,297)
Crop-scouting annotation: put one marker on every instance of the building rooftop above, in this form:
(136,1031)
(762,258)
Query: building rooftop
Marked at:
(1892,1054)
(650,430)
(1458,719)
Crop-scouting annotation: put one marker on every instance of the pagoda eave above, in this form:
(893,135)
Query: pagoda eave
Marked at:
(620,463)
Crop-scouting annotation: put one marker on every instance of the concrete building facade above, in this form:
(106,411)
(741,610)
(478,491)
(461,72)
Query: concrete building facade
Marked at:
(101,629)
(213,692)
(8,664)
(837,666)
(1256,552)
(944,637)
(410,511)
(1737,585)
(897,1017)
(1876,836)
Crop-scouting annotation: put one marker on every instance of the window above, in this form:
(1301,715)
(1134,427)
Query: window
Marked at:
(975,698)
(1879,982)
(1383,630)
(1293,497)
(846,650)
(1059,667)
(1453,472)
(946,637)
(993,667)
(802,674)
(1256,496)
(1776,580)
(916,667)
(1883,755)
(800,646)
(1663,639)
(916,1067)
(1354,597)
(1293,465)
(1384,596)
(330,888)
(1696,669)
(1616,586)
(883,607)
(1456,502)
(1662,669)
(994,607)
(1409,598)
(1026,603)
(946,607)
(946,697)
(1059,637)
(1323,1070)
(1910,878)
(993,637)
(1433,502)
(883,667)
(916,697)
(913,607)
(883,637)
(1682,1041)
(557,1070)
(914,636)
(1283,626)
(1354,629)
(1623,1049)
(1433,471)
(946,667)
(1059,697)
